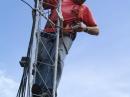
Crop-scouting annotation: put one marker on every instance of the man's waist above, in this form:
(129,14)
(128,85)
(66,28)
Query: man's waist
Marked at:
(52,35)
(65,28)
(51,30)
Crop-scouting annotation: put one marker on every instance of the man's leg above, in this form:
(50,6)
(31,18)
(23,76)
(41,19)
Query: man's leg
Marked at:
(64,46)
(44,76)
(44,66)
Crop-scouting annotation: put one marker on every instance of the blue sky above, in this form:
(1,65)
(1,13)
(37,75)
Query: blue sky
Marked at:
(95,67)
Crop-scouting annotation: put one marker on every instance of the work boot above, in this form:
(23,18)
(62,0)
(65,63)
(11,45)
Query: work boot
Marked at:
(45,94)
(36,91)
(48,93)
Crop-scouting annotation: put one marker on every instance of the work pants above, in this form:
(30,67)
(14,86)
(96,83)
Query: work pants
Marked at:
(46,58)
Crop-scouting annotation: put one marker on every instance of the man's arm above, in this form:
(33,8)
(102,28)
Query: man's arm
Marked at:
(92,30)
(81,27)
(88,23)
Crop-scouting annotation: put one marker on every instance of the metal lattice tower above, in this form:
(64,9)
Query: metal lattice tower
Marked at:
(30,61)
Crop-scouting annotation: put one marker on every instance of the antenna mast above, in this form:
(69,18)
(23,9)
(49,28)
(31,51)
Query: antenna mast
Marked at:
(59,24)
(27,62)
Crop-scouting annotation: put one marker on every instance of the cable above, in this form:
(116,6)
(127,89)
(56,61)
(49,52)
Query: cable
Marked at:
(27,4)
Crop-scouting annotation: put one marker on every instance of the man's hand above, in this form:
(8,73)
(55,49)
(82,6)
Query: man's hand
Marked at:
(77,27)
(73,28)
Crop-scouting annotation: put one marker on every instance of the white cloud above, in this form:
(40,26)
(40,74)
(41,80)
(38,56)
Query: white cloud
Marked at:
(79,81)
(8,87)
(84,79)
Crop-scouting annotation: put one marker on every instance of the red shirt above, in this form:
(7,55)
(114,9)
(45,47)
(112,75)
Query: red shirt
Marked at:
(71,13)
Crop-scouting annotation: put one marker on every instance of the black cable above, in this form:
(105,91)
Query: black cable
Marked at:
(27,4)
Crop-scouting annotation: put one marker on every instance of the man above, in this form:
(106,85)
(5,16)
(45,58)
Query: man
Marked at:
(77,18)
